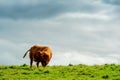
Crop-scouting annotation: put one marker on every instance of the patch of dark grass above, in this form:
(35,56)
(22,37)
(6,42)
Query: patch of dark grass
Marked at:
(24,65)
(36,72)
(12,67)
(26,68)
(1,74)
(46,71)
(4,78)
(92,76)
(105,77)
(15,73)
(118,78)
(40,70)
(25,73)
(70,65)
(3,67)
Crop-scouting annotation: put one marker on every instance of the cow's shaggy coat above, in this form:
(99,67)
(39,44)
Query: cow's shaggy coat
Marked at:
(39,54)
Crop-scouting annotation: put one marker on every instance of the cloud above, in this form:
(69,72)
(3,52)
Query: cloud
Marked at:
(36,9)
(29,9)
(83,58)
(96,16)
(115,10)
(112,2)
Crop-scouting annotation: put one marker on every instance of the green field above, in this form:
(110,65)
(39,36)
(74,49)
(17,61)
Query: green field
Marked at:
(70,72)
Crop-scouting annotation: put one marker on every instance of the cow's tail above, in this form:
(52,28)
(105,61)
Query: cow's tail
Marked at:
(26,53)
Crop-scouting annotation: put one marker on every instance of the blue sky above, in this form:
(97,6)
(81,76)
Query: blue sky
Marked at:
(78,31)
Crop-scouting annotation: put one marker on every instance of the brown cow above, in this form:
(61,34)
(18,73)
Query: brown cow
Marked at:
(39,54)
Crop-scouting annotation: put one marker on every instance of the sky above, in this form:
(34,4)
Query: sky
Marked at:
(77,31)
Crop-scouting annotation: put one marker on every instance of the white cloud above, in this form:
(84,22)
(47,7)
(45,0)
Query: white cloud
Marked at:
(99,16)
(82,58)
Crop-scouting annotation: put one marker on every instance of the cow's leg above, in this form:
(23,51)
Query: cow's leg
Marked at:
(37,63)
(31,61)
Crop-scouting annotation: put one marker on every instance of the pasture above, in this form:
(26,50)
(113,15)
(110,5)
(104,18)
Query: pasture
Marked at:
(70,72)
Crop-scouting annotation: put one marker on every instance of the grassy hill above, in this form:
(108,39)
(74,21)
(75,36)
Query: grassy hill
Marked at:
(70,72)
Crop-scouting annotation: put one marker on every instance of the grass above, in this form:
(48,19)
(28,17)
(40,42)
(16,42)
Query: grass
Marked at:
(70,72)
